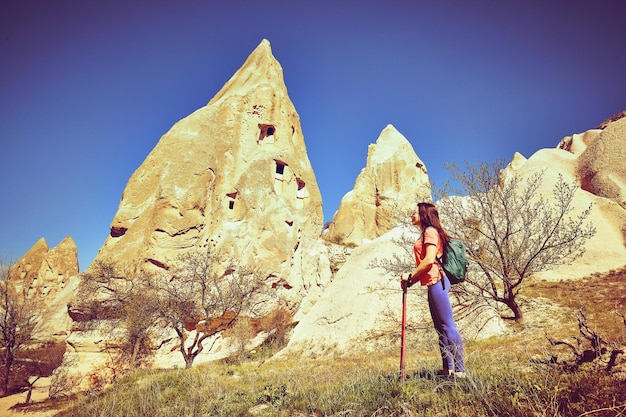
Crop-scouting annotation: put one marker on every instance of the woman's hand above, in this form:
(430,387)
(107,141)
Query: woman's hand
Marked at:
(405,280)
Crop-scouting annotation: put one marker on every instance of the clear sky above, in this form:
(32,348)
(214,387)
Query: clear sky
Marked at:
(87,88)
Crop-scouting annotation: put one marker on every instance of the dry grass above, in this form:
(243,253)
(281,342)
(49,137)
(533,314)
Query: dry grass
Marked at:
(600,295)
(363,386)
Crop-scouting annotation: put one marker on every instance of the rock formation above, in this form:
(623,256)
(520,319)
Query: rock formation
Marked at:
(233,175)
(393,181)
(27,268)
(601,167)
(594,160)
(51,276)
(47,271)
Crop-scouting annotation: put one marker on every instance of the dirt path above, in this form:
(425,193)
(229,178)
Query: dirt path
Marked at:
(40,393)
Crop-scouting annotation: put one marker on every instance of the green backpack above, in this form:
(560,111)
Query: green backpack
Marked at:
(454,262)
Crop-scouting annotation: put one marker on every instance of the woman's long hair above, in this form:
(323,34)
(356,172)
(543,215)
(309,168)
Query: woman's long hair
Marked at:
(429,216)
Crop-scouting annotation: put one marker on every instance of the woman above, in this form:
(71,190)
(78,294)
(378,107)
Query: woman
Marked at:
(427,249)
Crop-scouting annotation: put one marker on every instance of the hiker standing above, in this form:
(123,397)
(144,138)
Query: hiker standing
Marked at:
(427,249)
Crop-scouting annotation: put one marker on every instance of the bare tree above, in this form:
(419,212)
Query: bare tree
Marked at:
(510,228)
(18,317)
(589,347)
(129,306)
(207,293)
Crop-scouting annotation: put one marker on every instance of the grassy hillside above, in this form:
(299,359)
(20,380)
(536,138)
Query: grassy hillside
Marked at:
(504,377)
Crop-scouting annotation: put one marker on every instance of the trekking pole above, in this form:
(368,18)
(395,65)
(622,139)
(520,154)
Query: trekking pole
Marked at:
(403,334)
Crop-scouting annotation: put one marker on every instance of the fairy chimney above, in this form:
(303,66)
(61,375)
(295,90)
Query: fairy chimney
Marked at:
(233,175)
(393,181)
(46,271)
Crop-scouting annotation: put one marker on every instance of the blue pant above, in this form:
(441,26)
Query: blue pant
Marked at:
(450,342)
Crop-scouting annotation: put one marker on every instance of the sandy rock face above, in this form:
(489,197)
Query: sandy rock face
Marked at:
(602,168)
(52,277)
(234,174)
(600,154)
(360,310)
(394,178)
(27,268)
(578,142)
(45,270)
(233,177)
(596,165)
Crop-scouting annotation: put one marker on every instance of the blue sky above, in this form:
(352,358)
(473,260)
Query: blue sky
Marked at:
(87,88)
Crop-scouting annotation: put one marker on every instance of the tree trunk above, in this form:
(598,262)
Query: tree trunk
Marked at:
(135,354)
(4,380)
(189,361)
(518,316)
(29,394)
(188,355)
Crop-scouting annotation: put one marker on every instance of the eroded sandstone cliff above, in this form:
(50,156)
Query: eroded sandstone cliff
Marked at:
(233,175)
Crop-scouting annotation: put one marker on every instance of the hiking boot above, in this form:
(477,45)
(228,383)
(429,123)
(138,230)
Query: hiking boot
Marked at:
(450,373)
(444,373)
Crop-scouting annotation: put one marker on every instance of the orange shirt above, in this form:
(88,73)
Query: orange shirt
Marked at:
(431,237)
